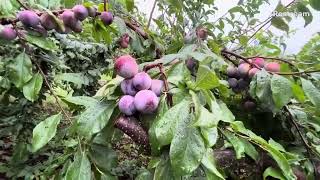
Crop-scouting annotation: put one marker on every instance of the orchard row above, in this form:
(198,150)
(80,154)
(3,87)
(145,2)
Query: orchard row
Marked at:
(62,22)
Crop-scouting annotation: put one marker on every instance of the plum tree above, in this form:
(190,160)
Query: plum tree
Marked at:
(272,67)
(244,69)
(259,62)
(80,12)
(252,72)
(142,81)
(232,72)
(157,86)
(29,18)
(48,22)
(126,66)
(127,87)
(146,101)
(233,82)
(69,18)
(106,18)
(92,11)
(8,33)
(127,105)
(124,41)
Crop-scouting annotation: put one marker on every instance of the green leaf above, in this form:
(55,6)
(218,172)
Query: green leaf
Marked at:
(166,127)
(307,15)
(80,169)
(298,92)
(210,135)
(227,115)
(20,70)
(311,91)
(208,161)
(104,157)
(272,172)
(279,23)
(236,143)
(164,170)
(32,88)
(162,109)
(76,78)
(206,78)
(274,152)
(144,175)
(81,100)
(95,118)
(281,90)
(42,42)
(315,4)
(130,5)
(187,148)
(45,131)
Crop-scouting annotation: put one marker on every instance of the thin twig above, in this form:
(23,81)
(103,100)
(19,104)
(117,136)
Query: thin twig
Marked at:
(105,5)
(22,4)
(274,58)
(307,146)
(151,13)
(224,52)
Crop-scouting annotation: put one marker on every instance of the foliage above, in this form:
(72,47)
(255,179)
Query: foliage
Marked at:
(59,95)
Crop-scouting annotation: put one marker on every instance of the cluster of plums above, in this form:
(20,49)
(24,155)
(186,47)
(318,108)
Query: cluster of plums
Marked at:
(43,22)
(141,93)
(239,77)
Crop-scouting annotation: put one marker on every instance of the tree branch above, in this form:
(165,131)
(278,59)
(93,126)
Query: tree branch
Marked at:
(151,13)
(22,5)
(225,52)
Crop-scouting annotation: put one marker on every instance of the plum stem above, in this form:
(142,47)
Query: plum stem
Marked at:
(146,68)
(225,54)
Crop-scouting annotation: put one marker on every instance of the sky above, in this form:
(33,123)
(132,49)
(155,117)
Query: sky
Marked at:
(294,43)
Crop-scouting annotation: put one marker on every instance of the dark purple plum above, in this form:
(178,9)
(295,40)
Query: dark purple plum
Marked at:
(146,101)
(233,82)
(244,69)
(80,12)
(142,81)
(126,105)
(69,18)
(77,28)
(192,65)
(157,86)
(126,66)
(202,33)
(29,18)
(92,11)
(8,33)
(249,105)
(48,22)
(106,18)
(127,87)
(243,84)
(124,41)
(232,72)
(133,128)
